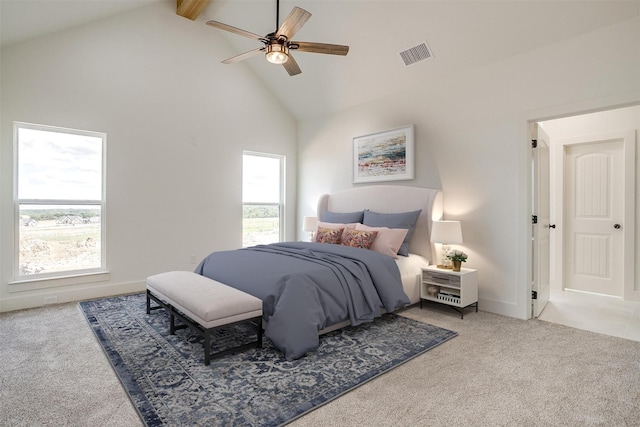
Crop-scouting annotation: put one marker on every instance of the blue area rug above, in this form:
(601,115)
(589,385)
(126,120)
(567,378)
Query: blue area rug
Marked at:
(169,384)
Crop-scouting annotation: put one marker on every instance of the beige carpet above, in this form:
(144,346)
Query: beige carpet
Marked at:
(498,372)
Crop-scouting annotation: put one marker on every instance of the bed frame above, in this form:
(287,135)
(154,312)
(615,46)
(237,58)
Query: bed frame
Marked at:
(393,199)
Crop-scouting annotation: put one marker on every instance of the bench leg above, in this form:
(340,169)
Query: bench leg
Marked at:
(160,305)
(207,348)
(172,323)
(206,333)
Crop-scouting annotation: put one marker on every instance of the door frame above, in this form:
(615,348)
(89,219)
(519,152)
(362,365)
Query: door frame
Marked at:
(525,183)
(558,149)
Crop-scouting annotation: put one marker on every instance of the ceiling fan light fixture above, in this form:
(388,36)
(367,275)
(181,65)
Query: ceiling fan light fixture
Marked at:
(277,53)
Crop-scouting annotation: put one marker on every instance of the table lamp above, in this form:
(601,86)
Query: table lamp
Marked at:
(310,224)
(446,233)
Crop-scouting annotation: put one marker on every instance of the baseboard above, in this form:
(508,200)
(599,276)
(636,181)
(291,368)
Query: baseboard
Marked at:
(60,295)
(502,308)
(632,296)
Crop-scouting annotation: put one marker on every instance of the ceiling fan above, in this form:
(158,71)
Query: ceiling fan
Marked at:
(278,45)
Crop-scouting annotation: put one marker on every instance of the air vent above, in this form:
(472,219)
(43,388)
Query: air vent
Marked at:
(416,54)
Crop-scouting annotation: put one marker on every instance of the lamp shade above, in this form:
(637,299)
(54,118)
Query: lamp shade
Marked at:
(447,232)
(310,223)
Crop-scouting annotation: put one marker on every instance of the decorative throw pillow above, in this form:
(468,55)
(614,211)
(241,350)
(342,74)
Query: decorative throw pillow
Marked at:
(331,225)
(329,235)
(359,238)
(394,220)
(341,217)
(388,241)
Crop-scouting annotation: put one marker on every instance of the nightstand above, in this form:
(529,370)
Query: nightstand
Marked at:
(456,289)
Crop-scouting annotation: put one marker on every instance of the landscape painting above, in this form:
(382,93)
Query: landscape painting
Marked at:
(383,156)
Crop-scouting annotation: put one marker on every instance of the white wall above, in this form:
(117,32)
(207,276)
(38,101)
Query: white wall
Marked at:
(604,122)
(472,140)
(176,121)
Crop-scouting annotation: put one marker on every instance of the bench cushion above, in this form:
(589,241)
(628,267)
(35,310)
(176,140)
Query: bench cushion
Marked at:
(206,301)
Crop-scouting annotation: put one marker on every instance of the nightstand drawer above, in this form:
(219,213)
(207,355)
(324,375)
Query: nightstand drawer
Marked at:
(441,278)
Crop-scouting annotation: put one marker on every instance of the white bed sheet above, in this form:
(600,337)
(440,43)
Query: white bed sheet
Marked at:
(410,271)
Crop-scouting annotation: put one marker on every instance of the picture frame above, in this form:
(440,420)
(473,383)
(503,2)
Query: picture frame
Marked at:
(384,156)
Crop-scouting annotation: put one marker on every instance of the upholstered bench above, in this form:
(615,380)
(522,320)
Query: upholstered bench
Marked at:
(204,305)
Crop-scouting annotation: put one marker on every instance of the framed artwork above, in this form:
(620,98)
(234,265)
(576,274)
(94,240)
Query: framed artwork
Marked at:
(383,156)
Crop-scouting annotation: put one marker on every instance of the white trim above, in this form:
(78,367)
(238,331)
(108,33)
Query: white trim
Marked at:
(631,293)
(281,203)
(30,284)
(504,308)
(525,184)
(20,279)
(30,300)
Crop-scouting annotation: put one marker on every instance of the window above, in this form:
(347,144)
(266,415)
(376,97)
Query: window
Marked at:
(59,201)
(262,198)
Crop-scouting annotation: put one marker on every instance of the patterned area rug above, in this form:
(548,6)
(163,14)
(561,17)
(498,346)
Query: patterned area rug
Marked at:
(169,384)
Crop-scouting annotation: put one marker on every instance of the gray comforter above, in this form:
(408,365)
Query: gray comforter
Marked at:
(306,287)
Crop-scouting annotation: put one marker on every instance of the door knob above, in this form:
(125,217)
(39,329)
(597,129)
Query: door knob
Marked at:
(617,226)
(552,226)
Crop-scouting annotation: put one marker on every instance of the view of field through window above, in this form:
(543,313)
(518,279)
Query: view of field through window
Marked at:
(59,239)
(261,199)
(260,224)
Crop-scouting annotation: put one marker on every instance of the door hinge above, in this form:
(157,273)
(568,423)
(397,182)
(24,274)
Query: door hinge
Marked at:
(534,143)
(534,294)
(534,219)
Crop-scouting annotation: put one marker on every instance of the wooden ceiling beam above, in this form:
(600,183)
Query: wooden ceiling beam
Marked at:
(190,9)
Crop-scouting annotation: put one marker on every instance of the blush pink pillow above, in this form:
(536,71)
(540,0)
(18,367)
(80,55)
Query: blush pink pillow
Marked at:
(388,240)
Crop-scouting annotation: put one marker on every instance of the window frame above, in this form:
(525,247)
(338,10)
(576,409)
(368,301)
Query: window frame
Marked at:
(102,269)
(281,202)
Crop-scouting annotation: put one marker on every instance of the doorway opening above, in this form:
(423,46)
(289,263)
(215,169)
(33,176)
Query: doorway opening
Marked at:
(592,276)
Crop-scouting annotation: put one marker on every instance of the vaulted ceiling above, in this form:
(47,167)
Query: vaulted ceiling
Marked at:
(462,35)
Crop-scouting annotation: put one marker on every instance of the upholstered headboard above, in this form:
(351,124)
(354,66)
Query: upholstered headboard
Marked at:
(392,199)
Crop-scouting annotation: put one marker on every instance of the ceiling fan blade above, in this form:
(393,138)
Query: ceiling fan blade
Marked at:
(234,30)
(292,66)
(243,55)
(293,23)
(330,49)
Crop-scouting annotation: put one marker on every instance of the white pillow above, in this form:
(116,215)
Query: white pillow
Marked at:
(388,240)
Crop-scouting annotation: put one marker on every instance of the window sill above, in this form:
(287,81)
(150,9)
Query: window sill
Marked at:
(55,282)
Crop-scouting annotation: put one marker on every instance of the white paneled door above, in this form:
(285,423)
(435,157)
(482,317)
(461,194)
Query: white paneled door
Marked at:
(541,225)
(593,220)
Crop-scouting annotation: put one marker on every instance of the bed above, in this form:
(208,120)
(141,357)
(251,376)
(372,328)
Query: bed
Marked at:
(310,288)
